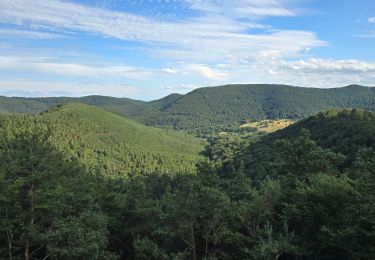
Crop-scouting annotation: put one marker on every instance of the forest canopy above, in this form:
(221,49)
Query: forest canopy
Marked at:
(304,192)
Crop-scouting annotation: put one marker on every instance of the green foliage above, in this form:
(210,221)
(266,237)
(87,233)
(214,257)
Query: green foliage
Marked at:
(306,207)
(303,157)
(45,205)
(305,195)
(304,192)
(276,245)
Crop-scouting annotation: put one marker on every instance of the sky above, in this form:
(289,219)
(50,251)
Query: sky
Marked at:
(146,49)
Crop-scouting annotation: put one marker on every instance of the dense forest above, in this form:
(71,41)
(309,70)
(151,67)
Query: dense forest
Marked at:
(103,141)
(303,192)
(213,107)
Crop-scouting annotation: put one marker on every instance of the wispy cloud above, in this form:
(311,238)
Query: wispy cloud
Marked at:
(5,45)
(243,8)
(11,33)
(311,72)
(205,71)
(371,20)
(43,65)
(209,36)
(213,73)
(181,87)
(169,71)
(45,89)
(331,66)
(367,35)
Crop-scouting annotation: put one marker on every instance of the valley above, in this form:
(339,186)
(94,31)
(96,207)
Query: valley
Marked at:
(187,130)
(83,178)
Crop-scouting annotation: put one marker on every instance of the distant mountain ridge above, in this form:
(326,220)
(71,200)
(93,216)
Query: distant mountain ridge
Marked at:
(215,106)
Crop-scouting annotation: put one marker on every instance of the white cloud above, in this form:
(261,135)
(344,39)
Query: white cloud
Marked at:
(169,71)
(5,45)
(367,35)
(199,70)
(222,65)
(42,65)
(42,88)
(189,86)
(322,73)
(6,33)
(181,88)
(371,20)
(331,66)
(242,8)
(205,71)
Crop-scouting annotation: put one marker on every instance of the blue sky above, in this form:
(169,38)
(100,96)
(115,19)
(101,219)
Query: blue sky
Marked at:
(146,49)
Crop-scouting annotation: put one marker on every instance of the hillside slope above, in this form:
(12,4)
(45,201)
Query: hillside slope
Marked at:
(315,180)
(108,142)
(348,132)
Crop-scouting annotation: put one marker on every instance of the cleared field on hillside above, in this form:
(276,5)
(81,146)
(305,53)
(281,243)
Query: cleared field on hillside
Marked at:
(269,126)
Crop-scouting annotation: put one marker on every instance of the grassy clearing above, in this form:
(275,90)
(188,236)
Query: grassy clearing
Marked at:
(269,126)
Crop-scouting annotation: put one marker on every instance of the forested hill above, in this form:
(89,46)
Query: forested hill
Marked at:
(216,106)
(345,131)
(334,137)
(125,106)
(111,143)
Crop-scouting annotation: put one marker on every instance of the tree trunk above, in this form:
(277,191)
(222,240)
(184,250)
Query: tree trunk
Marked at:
(26,252)
(10,251)
(27,243)
(193,243)
(206,248)
(10,238)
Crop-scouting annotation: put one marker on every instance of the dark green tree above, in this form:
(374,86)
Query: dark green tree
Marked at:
(45,203)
